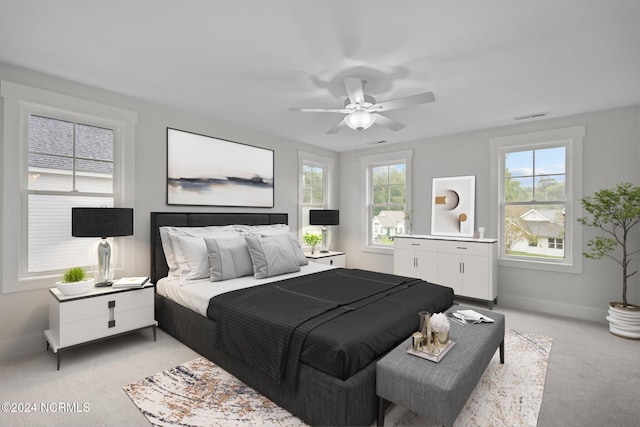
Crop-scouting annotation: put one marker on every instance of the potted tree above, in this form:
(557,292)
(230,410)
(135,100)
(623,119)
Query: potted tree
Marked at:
(616,212)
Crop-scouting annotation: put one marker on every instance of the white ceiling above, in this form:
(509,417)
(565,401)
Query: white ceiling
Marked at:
(246,62)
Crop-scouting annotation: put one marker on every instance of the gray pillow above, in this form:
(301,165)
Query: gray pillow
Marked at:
(228,258)
(272,256)
(295,245)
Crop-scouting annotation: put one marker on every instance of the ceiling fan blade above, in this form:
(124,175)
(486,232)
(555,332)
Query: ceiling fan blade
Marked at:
(338,127)
(408,101)
(321,110)
(354,89)
(387,122)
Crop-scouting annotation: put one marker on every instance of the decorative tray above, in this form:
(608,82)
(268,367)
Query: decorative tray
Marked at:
(432,357)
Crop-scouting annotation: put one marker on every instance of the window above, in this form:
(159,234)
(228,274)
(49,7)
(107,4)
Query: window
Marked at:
(60,152)
(69,164)
(539,188)
(387,179)
(556,243)
(315,190)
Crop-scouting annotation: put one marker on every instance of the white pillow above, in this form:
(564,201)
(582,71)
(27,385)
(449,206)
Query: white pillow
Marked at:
(191,254)
(228,258)
(272,256)
(167,244)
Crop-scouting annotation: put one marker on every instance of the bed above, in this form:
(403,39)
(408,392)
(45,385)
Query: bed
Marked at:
(337,393)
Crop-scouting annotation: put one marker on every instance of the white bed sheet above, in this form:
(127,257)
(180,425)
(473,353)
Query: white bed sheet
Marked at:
(197,293)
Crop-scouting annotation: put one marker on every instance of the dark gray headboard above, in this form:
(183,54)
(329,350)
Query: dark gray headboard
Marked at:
(159,267)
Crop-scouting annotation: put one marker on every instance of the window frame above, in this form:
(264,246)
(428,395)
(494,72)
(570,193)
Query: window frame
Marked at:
(367,163)
(570,137)
(20,101)
(328,202)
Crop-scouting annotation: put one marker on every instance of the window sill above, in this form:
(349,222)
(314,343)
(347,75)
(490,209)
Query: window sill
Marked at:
(575,268)
(378,249)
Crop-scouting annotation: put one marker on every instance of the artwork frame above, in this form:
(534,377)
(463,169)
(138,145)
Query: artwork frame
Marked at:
(453,203)
(209,171)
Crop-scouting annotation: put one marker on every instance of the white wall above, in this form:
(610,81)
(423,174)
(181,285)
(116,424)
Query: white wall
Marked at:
(611,155)
(24,315)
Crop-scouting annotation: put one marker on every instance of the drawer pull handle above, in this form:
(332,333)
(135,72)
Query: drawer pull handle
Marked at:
(415,244)
(461,247)
(112,316)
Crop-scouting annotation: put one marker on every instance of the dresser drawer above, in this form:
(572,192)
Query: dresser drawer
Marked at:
(464,248)
(87,308)
(416,244)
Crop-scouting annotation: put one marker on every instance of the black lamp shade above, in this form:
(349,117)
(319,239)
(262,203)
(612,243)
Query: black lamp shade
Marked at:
(324,217)
(101,222)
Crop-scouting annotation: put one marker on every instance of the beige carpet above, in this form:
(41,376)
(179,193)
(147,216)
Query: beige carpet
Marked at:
(198,393)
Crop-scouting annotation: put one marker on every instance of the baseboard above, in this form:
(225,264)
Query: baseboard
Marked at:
(22,345)
(552,307)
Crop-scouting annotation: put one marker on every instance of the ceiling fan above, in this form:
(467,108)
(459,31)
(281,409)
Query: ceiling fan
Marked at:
(363,111)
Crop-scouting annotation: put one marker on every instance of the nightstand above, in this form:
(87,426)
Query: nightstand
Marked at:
(98,314)
(337,259)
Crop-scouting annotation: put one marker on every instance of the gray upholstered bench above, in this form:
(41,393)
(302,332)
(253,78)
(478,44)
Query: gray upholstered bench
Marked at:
(440,390)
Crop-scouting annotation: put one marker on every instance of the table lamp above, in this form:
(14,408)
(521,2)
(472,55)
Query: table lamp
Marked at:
(103,223)
(324,217)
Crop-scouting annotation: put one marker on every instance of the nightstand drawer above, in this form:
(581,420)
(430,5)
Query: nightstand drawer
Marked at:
(87,308)
(103,326)
(335,260)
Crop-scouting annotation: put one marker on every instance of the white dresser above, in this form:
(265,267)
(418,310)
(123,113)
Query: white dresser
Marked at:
(469,266)
(98,314)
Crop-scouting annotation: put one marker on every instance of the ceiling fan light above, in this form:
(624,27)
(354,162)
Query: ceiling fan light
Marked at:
(360,120)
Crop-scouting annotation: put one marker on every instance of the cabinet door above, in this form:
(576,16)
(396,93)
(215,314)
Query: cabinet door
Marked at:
(450,271)
(475,280)
(404,263)
(427,266)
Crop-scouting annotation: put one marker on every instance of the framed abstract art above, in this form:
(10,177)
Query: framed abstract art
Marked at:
(209,171)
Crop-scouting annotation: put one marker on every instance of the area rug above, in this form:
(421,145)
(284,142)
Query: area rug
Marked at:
(199,393)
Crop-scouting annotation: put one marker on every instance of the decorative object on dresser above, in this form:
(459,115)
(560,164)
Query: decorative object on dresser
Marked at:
(453,206)
(103,223)
(99,314)
(616,212)
(74,282)
(335,258)
(469,266)
(203,170)
(324,217)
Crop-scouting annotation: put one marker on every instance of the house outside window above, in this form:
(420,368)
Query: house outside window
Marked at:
(388,191)
(539,188)
(60,152)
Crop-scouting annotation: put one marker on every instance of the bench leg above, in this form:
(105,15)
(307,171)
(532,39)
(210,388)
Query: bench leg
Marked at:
(383,404)
(502,352)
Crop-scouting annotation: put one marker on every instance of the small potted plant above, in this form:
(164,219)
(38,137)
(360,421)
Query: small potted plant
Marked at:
(616,212)
(74,282)
(312,240)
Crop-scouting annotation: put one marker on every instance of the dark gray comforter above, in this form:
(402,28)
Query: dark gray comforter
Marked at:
(337,321)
